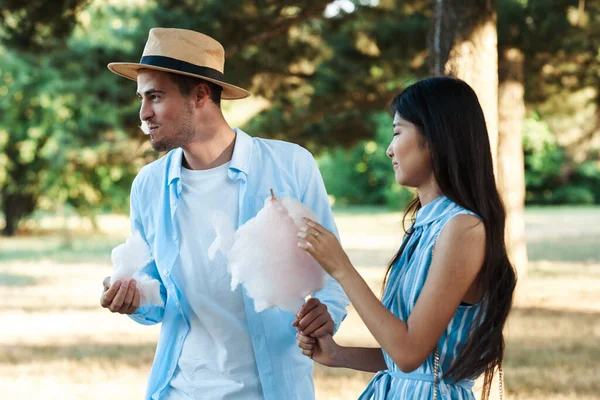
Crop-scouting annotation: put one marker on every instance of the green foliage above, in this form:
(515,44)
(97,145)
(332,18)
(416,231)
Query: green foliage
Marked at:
(88,151)
(550,177)
(36,25)
(358,61)
(68,127)
(560,41)
(60,135)
(363,174)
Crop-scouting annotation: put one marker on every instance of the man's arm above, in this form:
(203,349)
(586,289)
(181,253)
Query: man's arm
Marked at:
(149,314)
(315,197)
(146,314)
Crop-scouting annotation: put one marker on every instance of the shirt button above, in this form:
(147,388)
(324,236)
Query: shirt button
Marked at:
(174,238)
(165,272)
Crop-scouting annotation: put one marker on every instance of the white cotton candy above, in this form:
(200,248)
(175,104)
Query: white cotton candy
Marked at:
(144,128)
(128,260)
(265,258)
(225,234)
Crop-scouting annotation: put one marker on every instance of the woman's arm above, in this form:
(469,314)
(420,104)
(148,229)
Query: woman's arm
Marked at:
(458,258)
(314,196)
(326,351)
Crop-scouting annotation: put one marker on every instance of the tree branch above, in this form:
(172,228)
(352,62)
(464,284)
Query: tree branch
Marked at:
(277,30)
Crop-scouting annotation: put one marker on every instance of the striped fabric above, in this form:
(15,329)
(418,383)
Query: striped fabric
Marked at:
(405,282)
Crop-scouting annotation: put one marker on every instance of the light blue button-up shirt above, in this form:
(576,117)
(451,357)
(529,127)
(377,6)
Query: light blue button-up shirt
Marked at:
(258,165)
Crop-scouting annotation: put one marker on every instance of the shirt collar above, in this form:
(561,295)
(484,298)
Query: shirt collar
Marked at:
(432,211)
(174,165)
(240,160)
(242,151)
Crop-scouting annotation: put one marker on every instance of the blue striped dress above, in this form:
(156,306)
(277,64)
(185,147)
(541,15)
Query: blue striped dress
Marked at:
(405,282)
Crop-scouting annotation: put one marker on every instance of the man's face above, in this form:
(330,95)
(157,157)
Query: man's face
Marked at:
(166,111)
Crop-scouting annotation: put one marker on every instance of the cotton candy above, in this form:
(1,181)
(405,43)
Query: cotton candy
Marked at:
(264,256)
(144,127)
(128,259)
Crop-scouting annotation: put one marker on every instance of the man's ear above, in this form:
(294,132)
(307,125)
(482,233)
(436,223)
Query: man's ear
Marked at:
(201,94)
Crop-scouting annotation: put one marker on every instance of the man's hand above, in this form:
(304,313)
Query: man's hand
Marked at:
(121,297)
(313,319)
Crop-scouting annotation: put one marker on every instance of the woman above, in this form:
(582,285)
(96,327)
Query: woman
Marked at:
(448,290)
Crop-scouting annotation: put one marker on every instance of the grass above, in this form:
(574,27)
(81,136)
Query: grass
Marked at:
(57,343)
(16,280)
(555,351)
(91,248)
(583,248)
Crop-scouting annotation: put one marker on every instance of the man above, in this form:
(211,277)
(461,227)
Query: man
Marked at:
(213,345)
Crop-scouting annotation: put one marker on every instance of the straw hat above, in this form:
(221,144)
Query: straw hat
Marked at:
(182,52)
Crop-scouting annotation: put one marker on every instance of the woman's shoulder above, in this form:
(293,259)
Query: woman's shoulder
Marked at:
(458,221)
(458,226)
(460,245)
(456,209)
(464,232)
(453,216)
(465,224)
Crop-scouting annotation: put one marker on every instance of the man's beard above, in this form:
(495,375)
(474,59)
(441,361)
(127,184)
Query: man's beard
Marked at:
(166,144)
(181,137)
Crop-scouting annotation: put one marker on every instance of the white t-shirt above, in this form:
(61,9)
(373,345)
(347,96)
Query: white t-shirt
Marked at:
(217,360)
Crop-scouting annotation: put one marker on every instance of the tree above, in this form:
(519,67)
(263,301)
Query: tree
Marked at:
(560,41)
(55,144)
(463,43)
(69,126)
(362,58)
(511,117)
(324,76)
(288,53)
(60,140)
(19,180)
(36,25)
(511,163)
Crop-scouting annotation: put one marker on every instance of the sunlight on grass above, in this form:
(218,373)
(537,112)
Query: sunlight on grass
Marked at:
(16,280)
(88,248)
(57,343)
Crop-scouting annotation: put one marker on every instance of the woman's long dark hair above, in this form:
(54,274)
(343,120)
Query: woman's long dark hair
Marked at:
(449,117)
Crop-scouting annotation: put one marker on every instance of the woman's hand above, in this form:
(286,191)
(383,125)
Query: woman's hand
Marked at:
(323,350)
(325,249)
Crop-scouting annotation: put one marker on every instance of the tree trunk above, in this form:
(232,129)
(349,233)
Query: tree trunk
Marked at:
(15,207)
(62,213)
(463,42)
(511,164)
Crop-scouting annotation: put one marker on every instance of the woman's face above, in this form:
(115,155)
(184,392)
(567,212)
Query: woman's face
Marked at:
(410,155)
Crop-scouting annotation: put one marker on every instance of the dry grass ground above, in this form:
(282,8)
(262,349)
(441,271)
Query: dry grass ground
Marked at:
(56,342)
